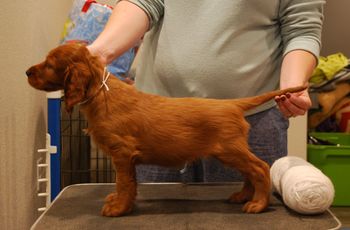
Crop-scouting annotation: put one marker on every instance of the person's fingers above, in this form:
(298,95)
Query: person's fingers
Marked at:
(284,110)
(295,106)
(292,105)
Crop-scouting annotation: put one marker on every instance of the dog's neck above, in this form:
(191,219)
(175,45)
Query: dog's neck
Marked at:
(105,77)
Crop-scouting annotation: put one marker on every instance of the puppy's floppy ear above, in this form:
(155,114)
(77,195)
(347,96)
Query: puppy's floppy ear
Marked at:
(76,81)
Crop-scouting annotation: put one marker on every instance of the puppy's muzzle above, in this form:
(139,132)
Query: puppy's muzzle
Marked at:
(29,72)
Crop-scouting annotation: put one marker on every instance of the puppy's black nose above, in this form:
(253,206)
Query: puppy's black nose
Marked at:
(29,72)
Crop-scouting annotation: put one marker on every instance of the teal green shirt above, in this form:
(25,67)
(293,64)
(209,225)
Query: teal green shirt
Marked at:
(223,48)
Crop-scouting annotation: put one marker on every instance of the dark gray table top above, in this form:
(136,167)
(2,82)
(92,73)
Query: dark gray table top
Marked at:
(173,206)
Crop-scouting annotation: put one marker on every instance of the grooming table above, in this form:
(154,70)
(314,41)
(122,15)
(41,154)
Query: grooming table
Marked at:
(172,206)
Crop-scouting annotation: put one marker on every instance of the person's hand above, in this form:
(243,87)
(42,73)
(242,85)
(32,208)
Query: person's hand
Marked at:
(294,104)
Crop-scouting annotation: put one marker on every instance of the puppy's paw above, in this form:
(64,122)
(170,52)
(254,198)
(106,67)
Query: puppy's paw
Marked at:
(113,209)
(110,197)
(254,207)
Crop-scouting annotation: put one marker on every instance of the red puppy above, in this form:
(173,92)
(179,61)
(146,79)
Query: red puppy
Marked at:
(139,128)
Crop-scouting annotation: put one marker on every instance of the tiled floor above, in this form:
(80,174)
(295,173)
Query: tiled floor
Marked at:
(343,214)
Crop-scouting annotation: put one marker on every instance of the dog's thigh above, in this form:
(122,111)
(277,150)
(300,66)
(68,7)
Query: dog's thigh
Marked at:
(267,147)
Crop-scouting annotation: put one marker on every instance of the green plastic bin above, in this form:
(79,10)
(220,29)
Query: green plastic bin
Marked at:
(333,161)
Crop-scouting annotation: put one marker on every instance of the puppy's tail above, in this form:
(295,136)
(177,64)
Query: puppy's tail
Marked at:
(252,102)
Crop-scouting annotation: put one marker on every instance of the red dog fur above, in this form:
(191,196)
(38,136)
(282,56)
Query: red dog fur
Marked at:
(139,128)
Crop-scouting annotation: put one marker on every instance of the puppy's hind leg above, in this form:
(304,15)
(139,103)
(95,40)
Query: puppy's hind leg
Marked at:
(237,155)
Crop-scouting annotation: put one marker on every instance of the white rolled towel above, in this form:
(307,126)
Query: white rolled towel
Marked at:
(303,187)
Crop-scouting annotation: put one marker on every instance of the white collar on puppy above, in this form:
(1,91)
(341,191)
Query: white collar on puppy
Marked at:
(105,77)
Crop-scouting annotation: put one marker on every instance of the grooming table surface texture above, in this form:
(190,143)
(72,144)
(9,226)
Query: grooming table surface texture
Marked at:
(172,206)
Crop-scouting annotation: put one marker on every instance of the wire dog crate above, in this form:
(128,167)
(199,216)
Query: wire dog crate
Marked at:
(81,160)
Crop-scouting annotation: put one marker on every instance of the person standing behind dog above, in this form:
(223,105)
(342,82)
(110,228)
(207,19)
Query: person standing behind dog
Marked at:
(220,49)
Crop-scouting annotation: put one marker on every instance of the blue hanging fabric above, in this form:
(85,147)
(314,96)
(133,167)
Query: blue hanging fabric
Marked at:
(85,22)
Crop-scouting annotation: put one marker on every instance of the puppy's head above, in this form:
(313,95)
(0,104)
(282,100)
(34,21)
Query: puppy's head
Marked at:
(69,67)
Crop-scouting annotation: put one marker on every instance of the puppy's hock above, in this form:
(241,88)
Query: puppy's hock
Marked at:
(138,128)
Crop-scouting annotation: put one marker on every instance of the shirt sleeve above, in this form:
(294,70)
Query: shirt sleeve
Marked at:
(153,8)
(301,25)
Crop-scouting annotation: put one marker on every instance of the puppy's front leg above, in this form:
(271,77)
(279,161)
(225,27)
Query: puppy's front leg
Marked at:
(121,202)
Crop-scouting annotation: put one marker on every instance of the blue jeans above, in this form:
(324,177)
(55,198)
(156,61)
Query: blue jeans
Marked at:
(267,139)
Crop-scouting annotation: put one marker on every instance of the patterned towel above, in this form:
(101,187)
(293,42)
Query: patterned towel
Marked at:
(85,22)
